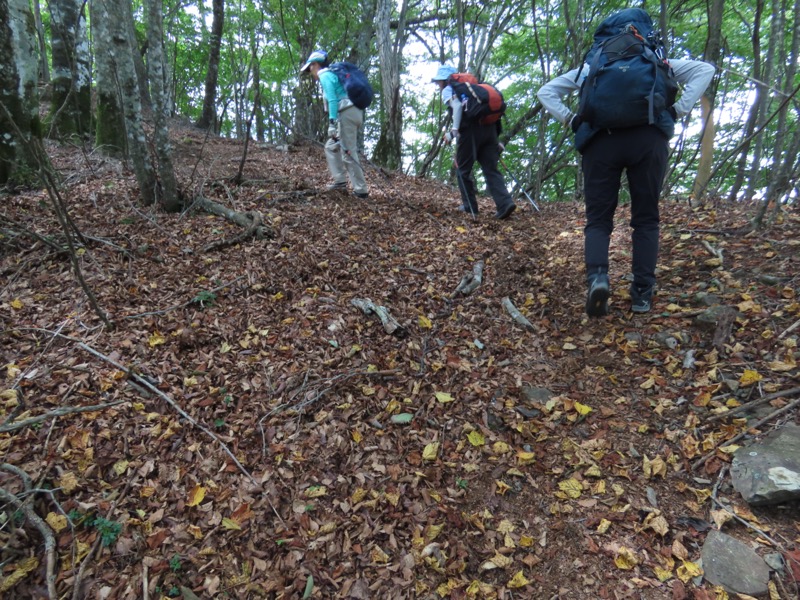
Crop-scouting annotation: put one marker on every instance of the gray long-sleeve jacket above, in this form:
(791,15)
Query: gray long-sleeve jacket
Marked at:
(693,75)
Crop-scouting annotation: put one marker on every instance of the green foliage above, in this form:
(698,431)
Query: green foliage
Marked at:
(175,564)
(205,298)
(109,530)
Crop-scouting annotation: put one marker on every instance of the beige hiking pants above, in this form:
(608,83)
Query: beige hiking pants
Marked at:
(342,156)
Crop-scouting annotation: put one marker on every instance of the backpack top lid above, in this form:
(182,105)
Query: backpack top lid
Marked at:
(617,23)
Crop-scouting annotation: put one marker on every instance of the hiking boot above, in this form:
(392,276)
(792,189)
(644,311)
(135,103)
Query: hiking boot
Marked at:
(505,212)
(339,185)
(597,295)
(362,195)
(641,298)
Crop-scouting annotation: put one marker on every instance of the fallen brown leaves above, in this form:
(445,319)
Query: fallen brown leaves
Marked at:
(470,459)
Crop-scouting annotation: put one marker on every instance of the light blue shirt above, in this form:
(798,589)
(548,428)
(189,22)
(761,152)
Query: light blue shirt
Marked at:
(332,91)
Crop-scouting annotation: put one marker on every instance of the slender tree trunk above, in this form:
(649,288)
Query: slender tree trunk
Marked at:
(208,117)
(755,107)
(122,59)
(19,119)
(170,198)
(70,102)
(711,54)
(110,138)
(258,109)
(388,151)
(44,66)
(138,57)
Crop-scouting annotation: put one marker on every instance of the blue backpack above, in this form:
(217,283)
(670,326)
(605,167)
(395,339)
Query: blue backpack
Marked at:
(354,82)
(630,82)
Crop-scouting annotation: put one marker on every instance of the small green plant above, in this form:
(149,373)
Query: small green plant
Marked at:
(228,400)
(174,591)
(462,483)
(205,298)
(109,530)
(219,423)
(175,563)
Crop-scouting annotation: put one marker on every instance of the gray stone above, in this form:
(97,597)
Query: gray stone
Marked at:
(536,395)
(706,299)
(711,317)
(768,472)
(733,565)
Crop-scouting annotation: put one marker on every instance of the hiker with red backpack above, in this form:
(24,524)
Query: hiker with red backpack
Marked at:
(476,111)
(626,116)
(346,116)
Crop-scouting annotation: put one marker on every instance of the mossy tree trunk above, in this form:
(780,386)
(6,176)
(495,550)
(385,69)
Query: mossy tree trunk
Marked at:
(109,135)
(70,107)
(19,119)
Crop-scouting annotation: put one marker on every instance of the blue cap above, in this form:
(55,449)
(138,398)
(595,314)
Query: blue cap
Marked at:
(319,56)
(443,73)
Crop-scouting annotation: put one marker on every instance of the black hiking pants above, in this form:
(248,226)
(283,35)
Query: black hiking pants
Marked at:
(642,153)
(479,142)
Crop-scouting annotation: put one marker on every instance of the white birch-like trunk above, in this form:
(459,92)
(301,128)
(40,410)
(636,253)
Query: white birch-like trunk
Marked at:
(122,60)
(19,68)
(109,136)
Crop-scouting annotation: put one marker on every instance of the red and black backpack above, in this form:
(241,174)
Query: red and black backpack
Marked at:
(481,102)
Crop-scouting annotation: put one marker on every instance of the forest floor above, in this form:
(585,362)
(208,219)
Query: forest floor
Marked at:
(271,440)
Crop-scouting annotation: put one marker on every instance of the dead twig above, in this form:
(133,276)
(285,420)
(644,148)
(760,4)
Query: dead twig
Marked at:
(790,329)
(753,404)
(776,413)
(518,317)
(34,519)
(58,412)
(251,231)
(154,390)
(192,301)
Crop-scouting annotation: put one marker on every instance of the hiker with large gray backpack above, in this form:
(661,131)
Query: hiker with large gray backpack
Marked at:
(629,103)
(476,109)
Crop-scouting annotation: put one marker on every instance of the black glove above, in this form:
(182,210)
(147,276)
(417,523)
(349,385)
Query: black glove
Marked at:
(575,122)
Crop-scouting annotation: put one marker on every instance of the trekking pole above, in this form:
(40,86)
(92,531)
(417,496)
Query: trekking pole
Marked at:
(463,187)
(505,166)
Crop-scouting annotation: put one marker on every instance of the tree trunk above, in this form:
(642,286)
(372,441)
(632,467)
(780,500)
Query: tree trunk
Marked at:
(170,198)
(122,59)
(208,117)
(258,109)
(388,151)
(19,119)
(110,138)
(70,102)
(711,54)
(44,66)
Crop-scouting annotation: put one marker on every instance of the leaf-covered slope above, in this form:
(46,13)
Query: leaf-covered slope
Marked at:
(575,458)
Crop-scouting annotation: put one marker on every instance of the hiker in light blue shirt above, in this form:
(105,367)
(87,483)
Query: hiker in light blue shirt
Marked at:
(344,121)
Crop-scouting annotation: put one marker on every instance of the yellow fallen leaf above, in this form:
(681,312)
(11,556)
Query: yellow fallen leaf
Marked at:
(356,435)
(358,495)
(156,339)
(425,322)
(657,523)
(225,348)
(749,377)
(444,397)
(68,482)
(21,571)
(569,346)
(571,487)
(525,458)
(431,451)
(582,409)
(662,574)
(476,438)
(655,467)
(688,570)
(518,581)
(498,561)
(626,559)
(120,467)
(228,523)
(16,303)
(57,521)
(316,491)
(196,496)
(196,532)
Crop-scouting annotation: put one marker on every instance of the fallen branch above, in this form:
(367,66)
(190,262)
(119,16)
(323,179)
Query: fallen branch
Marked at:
(153,389)
(39,523)
(390,324)
(753,404)
(776,413)
(790,329)
(470,281)
(58,412)
(518,317)
(237,239)
(215,208)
